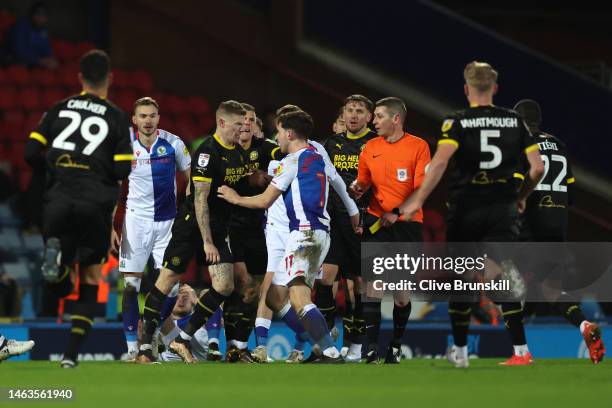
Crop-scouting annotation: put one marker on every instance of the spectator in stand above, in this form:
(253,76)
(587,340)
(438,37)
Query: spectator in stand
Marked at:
(28,39)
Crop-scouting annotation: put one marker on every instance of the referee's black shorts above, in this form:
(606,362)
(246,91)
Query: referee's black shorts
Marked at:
(400,231)
(187,241)
(345,247)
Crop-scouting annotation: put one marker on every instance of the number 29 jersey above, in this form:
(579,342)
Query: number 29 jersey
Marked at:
(84,135)
(491,144)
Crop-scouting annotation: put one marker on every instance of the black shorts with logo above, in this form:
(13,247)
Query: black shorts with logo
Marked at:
(249,246)
(83,228)
(186,241)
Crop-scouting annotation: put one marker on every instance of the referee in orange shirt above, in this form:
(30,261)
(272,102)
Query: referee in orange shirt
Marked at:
(393,166)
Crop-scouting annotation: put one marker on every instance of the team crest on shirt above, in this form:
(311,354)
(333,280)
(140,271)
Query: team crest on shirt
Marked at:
(253,155)
(161,150)
(137,153)
(278,170)
(185,151)
(447,124)
(203,159)
(402,174)
(362,147)
(176,261)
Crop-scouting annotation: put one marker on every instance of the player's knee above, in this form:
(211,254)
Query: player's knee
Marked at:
(132,285)
(329,274)
(273,301)
(225,287)
(402,302)
(166,280)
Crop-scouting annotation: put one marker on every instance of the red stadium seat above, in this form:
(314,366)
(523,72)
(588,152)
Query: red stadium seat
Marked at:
(161,100)
(68,76)
(11,131)
(61,49)
(7,97)
(29,98)
(121,79)
(167,122)
(82,47)
(18,74)
(14,116)
(52,95)
(125,99)
(6,20)
(142,81)
(32,120)
(4,79)
(42,77)
(186,128)
(198,105)
(206,123)
(174,104)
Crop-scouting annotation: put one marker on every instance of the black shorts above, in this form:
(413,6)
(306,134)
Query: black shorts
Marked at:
(493,222)
(187,241)
(249,246)
(83,228)
(401,231)
(345,247)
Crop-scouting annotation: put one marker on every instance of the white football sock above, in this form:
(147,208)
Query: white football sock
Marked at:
(462,352)
(331,352)
(521,350)
(583,326)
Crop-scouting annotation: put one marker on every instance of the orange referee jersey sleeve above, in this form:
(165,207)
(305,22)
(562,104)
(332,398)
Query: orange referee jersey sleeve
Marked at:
(393,171)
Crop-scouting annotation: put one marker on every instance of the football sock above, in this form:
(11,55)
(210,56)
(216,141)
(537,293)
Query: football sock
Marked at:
(213,326)
(82,319)
(151,315)
(347,322)
(231,316)
(400,319)
(130,312)
(291,319)
(299,342)
(245,320)
(460,314)
(262,327)
(358,329)
(521,350)
(513,319)
(570,309)
(63,286)
(168,305)
(371,313)
(315,325)
(204,309)
(326,304)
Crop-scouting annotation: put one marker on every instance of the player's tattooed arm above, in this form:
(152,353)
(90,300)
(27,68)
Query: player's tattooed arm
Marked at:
(200,201)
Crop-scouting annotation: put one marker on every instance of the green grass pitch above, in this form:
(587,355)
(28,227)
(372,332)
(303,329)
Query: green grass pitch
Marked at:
(415,383)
